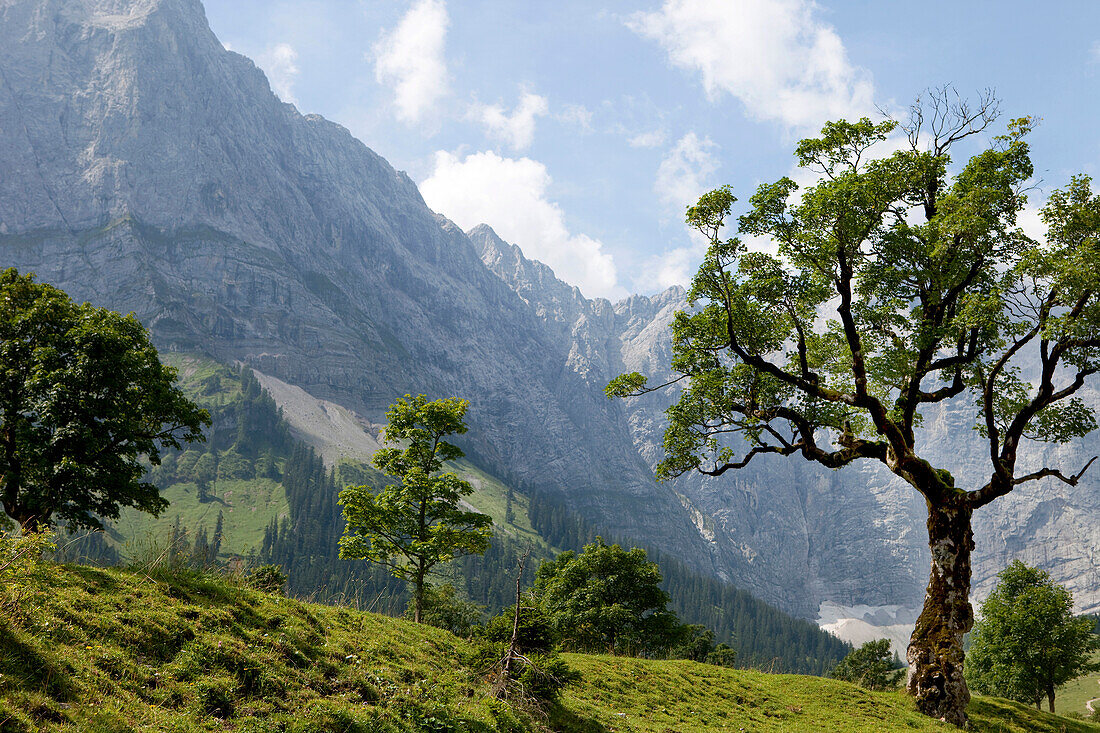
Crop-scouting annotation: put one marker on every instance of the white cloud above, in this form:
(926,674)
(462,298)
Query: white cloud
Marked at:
(510,195)
(280,63)
(410,59)
(1094,52)
(683,174)
(1029,220)
(776,56)
(517,129)
(651,139)
(577,114)
(682,177)
(675,267)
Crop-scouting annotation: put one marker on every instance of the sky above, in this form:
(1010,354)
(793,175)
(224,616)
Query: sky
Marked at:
(581,130)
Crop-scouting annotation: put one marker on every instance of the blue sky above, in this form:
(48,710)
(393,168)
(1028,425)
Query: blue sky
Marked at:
(581,130)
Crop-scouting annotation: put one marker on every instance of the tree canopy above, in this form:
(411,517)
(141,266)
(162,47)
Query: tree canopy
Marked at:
(83,399)
(897,284)
(873,666)
(1028,642)
(412,526)
(606,599)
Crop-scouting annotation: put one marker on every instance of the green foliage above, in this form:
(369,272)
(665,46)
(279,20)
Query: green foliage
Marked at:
(872,666)
(766,637)
(535,632)
(445,609)
(412,526)
(722,655)
(954,299)
(537,674)
(606,599)
(695,642)
(22,567)
(1028,642)
(543,679)
(83,398)
(266,578)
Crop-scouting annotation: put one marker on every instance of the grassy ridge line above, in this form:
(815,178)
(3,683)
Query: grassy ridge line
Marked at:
(645,696)
(99,651)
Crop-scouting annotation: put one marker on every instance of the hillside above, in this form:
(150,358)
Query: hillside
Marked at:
(261,478)
(94,650)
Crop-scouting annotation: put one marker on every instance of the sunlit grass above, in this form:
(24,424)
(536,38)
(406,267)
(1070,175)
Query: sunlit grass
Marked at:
(161,649)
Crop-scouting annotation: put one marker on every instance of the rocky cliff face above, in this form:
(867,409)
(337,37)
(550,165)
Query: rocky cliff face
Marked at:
(145,168)
(813,540)
(149,169)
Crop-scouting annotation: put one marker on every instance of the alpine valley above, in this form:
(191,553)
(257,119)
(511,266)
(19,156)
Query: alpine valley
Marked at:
(145,168)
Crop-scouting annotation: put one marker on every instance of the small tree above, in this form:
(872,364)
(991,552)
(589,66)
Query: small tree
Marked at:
(83,397)
(873,666)
(413,526)
(607,599)
(694,642)
(1028,641)
(203,472)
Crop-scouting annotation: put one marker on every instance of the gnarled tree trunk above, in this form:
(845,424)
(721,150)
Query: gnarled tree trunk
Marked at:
(935,653)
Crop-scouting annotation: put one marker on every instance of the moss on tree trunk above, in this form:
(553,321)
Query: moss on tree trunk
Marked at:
(935,653)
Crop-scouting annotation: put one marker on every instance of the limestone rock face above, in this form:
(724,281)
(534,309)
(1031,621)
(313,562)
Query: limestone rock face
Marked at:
(145,168)
(148,169)
(808,538)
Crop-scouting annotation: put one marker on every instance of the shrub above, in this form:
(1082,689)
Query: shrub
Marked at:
(444,609)
(871,666)
(723,655)
(267,578)
(22,567)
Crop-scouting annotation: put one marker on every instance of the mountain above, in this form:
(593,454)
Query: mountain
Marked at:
(148,169)
(154,171)
(847,547)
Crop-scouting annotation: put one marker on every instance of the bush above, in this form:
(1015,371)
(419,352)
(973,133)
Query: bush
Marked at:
(723,655)
(536,629)
(542,681)
(871,666)
(22,566)
(696,642)
(538,675)
(444,609)
(267,578)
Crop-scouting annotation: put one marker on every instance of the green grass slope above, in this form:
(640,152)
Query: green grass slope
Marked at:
(99,651)
(1073,695)
(274,500)
(645,696)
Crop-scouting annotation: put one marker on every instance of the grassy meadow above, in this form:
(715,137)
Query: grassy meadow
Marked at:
(161,649)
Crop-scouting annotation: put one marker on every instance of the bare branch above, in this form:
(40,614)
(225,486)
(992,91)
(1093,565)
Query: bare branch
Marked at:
(997,487)
(1055,473)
